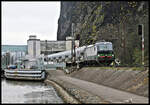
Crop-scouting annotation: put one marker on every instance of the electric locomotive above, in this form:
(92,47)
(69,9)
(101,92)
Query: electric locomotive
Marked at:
(100,53)
(105,53)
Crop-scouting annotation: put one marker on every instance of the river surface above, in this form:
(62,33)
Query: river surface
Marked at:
(28,92)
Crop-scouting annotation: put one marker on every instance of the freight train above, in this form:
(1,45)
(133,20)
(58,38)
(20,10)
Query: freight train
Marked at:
(100,53)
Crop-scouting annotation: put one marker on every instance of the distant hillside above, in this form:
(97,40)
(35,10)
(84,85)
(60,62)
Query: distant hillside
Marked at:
(112,21)
(14,48)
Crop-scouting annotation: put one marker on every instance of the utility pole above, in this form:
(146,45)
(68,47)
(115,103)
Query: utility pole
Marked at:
(73,50)
(46,47)
(141,32)
(124,39)
(123,42)
(142,44)
(73,44)
(46,53)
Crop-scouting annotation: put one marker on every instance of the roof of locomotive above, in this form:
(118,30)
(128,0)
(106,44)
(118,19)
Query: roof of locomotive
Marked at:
(103,43)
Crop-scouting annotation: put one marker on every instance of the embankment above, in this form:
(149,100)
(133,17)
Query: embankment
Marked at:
(135,81)
(73,92)
(126,79)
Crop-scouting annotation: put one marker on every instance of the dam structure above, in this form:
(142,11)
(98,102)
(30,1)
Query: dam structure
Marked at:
(34,49)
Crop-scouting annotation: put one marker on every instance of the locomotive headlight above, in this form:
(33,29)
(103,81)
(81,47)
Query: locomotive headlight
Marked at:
(113,55)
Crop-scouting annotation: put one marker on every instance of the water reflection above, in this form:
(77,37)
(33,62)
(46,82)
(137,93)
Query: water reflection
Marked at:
(28,92)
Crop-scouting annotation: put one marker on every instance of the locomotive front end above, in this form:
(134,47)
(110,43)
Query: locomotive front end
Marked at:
(105,54)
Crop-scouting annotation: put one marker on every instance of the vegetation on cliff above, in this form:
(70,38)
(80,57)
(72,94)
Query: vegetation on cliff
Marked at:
(111,21)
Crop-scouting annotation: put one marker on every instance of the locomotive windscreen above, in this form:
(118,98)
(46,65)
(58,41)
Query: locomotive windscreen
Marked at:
(105,53)
(104,47)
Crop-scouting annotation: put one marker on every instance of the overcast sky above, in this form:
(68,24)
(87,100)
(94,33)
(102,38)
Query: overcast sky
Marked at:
(21,19)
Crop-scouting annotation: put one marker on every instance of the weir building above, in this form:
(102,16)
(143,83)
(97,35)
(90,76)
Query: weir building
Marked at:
(37,46)
(34,49)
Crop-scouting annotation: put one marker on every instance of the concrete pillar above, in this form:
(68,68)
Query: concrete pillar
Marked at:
(68,43)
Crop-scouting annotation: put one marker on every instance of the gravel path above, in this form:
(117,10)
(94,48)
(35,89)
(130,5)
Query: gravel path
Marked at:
(109,94)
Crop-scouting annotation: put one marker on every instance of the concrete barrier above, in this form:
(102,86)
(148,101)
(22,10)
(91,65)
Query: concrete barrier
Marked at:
(63,94)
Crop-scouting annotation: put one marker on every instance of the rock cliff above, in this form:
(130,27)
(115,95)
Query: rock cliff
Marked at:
(111,21)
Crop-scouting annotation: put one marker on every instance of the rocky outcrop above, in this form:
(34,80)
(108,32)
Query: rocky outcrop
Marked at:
(111,21)
(64,22)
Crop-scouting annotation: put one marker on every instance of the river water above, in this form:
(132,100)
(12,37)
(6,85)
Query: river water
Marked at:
(28,92)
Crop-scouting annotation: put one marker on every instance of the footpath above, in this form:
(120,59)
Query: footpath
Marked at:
(95,93)
(108,94)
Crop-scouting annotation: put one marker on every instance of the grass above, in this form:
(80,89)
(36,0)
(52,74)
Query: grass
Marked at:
(138,68)
(117,68)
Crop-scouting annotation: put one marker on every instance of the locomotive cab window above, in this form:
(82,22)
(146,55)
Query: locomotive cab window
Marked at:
(104,47)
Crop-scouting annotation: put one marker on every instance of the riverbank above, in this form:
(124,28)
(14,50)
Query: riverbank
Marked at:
(73,92)
(127,80)
(62,93)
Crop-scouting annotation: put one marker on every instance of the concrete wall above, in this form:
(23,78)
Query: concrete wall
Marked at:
(68,45)
(52,46)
